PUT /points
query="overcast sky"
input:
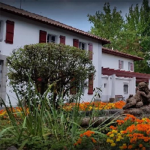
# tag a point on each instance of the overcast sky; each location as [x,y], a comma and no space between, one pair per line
[71,12]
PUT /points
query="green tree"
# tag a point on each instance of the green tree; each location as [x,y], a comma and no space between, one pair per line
[129,35]
[138,20]
[107,24]
[47,64]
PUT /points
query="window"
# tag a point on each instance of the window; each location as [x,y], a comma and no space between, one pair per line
[82,45]
[125,88]
[105,85]
[120,64]
[130,66]
[51,38]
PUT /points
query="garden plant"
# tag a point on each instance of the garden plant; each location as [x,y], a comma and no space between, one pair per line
[68,67]
[45,127]
[38,124]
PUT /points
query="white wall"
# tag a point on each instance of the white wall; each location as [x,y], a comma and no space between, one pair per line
[117,88]
[112,61]
[27,32]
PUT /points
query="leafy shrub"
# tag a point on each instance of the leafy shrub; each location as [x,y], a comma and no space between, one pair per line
[64,66]
[45,127]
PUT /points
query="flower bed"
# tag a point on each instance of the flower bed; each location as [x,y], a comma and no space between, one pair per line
[17,112]
[87,106]
[131,133]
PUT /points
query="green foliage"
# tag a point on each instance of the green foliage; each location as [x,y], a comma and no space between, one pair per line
[45,127]
[138,21]
[49,63]
[107,24]
[130,35]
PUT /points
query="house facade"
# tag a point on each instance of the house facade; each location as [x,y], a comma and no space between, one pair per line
[19,27]
[118,77]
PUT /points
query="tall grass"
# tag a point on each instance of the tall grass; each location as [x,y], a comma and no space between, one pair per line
[41,126]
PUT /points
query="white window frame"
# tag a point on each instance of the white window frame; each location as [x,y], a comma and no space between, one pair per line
[1,30]
[122,65]
[52,35]
[129,66]
[125,91]
[80,42]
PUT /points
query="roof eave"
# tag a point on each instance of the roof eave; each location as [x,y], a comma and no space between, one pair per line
[116,53]
[66,27]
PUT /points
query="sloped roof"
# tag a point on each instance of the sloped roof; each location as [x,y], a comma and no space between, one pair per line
[121,54]
[40,18]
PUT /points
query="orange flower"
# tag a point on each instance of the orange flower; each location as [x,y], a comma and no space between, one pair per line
[131,128]
[140,145]
[78,142]
[146,139]
[120,122]
[2,112]
[87,133]
[94,105]
[125,147]
[130,147]
[113,128]
[130,117]
[93,140]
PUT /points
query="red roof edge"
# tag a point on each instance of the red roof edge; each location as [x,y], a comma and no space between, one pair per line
[122,73]
[121,54]
[40,18]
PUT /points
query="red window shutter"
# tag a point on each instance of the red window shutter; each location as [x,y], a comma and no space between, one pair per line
[42,36]
[90,86]
[9,32]
[62,39]
[76,43]
[73,89]
[90,51]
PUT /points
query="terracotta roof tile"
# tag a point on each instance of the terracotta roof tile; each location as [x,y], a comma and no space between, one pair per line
[37,17]
[121,54]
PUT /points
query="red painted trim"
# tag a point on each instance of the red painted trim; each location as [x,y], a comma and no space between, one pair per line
[90,85]
[42,36]
[121,73]
[62,39]
[90,51]
[9,31]
[76,43]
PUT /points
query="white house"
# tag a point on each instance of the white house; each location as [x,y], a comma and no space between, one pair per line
[19,27]
[118,77]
